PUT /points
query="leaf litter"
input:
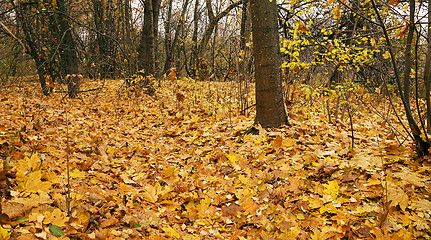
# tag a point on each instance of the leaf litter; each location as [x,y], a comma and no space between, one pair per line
[181,165]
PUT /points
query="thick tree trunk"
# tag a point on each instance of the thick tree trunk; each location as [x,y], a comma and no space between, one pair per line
[270,111]
[68,54]
[147,46]
[146,49]
[99,16]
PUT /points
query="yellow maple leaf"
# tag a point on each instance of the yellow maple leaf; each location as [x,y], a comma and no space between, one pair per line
[172,233]
[152,193]
[32,183]
[56,217]
[277,142]
[34,199]
[365,209]
[28,164]
[4,234]
[110,151]
[169,172]
[332,188]
[290,234]
[288,142]
[75,173]
[232,157]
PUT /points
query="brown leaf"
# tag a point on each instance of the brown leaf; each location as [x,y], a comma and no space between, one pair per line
[180,97]
[108,222]
[398,197]
[231,210]
[14,210]
[277,142]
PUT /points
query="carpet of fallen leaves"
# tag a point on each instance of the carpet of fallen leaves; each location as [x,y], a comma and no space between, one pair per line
[182,164]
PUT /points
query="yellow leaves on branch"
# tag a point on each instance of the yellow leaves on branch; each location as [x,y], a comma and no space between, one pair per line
[337,12]
[386,55]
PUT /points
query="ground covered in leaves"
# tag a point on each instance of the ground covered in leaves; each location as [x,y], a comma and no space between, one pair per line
[183,164]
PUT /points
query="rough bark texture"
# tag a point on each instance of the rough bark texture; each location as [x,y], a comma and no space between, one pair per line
[147,46]
[270,110]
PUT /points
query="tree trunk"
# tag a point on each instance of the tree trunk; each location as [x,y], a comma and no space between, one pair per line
[270,111]
[31,48]
[99,17]
[68,54]
[147,46]
[243,55]
[194,57]
[146,50]
[156,11]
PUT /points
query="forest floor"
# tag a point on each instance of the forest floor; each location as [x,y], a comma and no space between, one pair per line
[183,164]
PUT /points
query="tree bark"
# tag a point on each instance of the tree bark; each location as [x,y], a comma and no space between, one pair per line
[31,47]
[68,55]
[194,57]
[270,111]
[147,46]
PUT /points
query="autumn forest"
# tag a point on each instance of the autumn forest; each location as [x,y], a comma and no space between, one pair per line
[215,119]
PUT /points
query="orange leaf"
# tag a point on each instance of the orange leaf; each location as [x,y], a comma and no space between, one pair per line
[108,222]
[173,75]
[277,142]
[301,26]
[404,29]
[394,2]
